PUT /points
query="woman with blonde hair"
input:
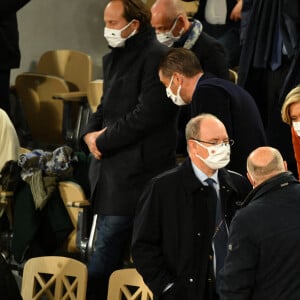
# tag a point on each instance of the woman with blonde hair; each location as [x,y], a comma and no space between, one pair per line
[290,113]
[10,146]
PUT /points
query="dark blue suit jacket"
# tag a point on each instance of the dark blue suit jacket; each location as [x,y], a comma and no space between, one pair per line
[236,108]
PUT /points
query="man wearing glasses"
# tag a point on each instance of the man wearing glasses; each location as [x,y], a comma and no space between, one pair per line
[181,227]
[186,83]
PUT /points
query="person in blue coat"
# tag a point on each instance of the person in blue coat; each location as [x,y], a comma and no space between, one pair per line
[180,71]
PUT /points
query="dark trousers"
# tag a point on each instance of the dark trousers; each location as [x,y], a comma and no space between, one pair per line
[113,236]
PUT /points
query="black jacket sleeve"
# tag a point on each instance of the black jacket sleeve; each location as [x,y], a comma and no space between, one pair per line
[11,6]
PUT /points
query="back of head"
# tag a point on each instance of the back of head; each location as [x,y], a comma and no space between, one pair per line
[264,163]
[180,60]
[136,10]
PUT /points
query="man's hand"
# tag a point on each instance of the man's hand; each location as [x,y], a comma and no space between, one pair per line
[90,140]
[236,13]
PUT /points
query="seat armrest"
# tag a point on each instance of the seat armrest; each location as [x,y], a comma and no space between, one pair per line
[71,96]
[83,203]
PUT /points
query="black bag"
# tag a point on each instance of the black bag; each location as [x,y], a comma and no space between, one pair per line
[9,289]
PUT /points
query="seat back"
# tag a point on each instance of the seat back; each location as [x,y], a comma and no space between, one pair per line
[54,277]
[43,114]
[75,67]
[128,284]
[76,203]
[94,93]
[233,76]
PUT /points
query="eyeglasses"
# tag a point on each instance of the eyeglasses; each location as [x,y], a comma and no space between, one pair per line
[223,143]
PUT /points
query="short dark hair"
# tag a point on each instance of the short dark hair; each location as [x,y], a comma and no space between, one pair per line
[138,10]
[180,60]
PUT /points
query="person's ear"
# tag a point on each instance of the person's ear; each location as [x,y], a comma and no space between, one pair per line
[179,28]
[177,78]
[135,24]
[192,148]
[250,178]
[285,165]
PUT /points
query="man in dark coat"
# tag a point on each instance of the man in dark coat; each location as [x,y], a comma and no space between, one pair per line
[175,30]
[132,135]
[174,230]
[263,259]
[9,46]
[181,72]
[269,64]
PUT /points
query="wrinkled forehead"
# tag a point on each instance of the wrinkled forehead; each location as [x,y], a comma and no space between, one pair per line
[212,129]
[114,11]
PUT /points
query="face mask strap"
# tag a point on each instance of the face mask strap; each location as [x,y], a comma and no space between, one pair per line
[169,86]
[174,25]
[126,26]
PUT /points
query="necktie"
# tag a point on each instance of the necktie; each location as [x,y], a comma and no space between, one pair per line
[220,238]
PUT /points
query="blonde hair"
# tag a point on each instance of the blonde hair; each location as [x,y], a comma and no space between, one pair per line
[292,97]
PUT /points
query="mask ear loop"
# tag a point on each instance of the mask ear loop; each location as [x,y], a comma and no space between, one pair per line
[169,86]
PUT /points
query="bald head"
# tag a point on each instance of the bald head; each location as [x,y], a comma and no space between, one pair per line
[165,12]
[168,8]
[264,163]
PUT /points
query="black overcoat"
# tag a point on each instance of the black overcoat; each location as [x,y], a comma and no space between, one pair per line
[9,35]
[173,230]
[140,138]
[210,52]
[264,242]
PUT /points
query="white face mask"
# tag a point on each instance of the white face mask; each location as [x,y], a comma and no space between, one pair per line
[167,38]
[296,126]
[218,156]
[175,98]
[114,38]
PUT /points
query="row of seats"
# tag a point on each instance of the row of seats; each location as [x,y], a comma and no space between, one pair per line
[59,96]
[65,278]
[56,96]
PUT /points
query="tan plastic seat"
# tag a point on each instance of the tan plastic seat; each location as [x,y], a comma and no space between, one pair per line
[53,278]
[43,115]
[75,202]
[94,93]
[128,284]
[75,67]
